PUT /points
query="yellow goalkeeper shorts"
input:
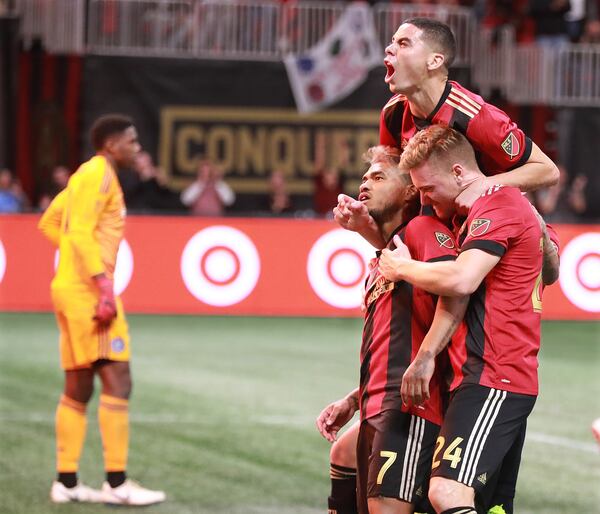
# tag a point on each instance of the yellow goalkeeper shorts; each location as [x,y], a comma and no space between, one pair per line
[82,341]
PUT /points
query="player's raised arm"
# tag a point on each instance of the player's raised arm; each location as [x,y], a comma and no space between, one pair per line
[50,221]
[353,215]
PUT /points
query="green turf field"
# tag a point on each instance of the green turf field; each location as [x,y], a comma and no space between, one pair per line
[223,415]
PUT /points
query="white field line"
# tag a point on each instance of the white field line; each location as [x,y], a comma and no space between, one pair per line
[535,437]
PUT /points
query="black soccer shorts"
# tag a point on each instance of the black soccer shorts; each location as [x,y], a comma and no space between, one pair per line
[480,426]
[394,453]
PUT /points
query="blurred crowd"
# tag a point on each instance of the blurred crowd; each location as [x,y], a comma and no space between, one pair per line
[146,192]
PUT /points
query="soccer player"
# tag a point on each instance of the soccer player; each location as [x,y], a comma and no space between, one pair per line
[417,62]
[395,442]
[86,222]
[495,385]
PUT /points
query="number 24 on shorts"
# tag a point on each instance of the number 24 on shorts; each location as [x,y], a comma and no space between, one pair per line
[452,453]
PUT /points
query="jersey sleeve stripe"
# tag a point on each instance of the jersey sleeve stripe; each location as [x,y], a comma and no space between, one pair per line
[105,182]
[486,245]
[393,100]
[466,98]
[441,258]
[460,108]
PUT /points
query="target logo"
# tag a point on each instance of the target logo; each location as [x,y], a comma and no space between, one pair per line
[220,266]
[123,268]
[2,261]
[580,271]
[337,268]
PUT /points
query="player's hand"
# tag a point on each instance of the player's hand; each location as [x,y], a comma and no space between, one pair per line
[335,416]
[352,214]
[415,382]
[391,260]
[465,200]
[106,310]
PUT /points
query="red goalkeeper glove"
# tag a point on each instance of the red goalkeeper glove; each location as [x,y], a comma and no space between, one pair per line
[106,310]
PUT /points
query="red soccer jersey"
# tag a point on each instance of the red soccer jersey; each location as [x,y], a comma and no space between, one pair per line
[397,319]
[502,339]
[498,142]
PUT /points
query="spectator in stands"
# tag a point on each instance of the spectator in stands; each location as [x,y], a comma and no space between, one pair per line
[328,185]
[591,32]
[144,187]
[278,201]
[550,22]
[209,194]
[12,197]
[60,178]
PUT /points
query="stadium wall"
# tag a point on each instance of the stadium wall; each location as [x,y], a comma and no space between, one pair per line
[254,266]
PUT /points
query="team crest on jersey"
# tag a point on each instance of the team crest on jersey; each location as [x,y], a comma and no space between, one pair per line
[479,227]
[511,145]
[117,345]
[444,239]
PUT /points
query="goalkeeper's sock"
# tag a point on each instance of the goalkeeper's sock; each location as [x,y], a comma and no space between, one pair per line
[113,417]
[498,509]
[343,490]
[70,423]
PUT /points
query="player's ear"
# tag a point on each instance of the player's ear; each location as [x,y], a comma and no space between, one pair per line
[410,191]
[435,61]
[457,171]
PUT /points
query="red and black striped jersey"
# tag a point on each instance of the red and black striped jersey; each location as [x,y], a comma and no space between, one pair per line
[502,338]
[500,145]
[397,318]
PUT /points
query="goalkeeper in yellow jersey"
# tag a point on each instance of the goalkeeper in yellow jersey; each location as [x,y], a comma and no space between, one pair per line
[86,222]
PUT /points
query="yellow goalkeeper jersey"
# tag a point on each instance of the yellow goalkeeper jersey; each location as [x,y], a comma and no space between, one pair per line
[91,211]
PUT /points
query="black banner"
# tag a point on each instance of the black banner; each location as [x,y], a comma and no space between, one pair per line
[240,115]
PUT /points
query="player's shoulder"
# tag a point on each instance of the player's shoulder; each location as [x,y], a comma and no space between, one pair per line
[501,202]
[500,195]
[95,170]
[422,227]
[465,100]
[394,102]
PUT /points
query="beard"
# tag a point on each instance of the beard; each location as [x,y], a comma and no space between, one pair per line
[385,213]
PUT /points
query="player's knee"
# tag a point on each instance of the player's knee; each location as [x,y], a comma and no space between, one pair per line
[342,454]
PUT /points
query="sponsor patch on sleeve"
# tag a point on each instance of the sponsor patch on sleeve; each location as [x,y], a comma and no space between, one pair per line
[479,227]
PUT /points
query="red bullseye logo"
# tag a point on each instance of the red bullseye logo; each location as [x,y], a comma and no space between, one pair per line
[220,266]
[346,268]
[2,261]
[337,268]
[580,271]
[123,267]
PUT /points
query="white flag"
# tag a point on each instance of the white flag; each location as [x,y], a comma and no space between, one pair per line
[338,64]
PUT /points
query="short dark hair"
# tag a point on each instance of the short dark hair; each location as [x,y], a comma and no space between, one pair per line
[438,35]
[106,126]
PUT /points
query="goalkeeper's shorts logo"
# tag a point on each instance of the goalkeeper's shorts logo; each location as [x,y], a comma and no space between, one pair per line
[117,345]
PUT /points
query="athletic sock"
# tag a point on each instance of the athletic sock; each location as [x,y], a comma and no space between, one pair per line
[70,424]
[460,510]
[69,480]
[113,417]
[343,490]
[115,478]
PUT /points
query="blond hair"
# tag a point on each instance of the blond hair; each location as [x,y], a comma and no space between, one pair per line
[437,142]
